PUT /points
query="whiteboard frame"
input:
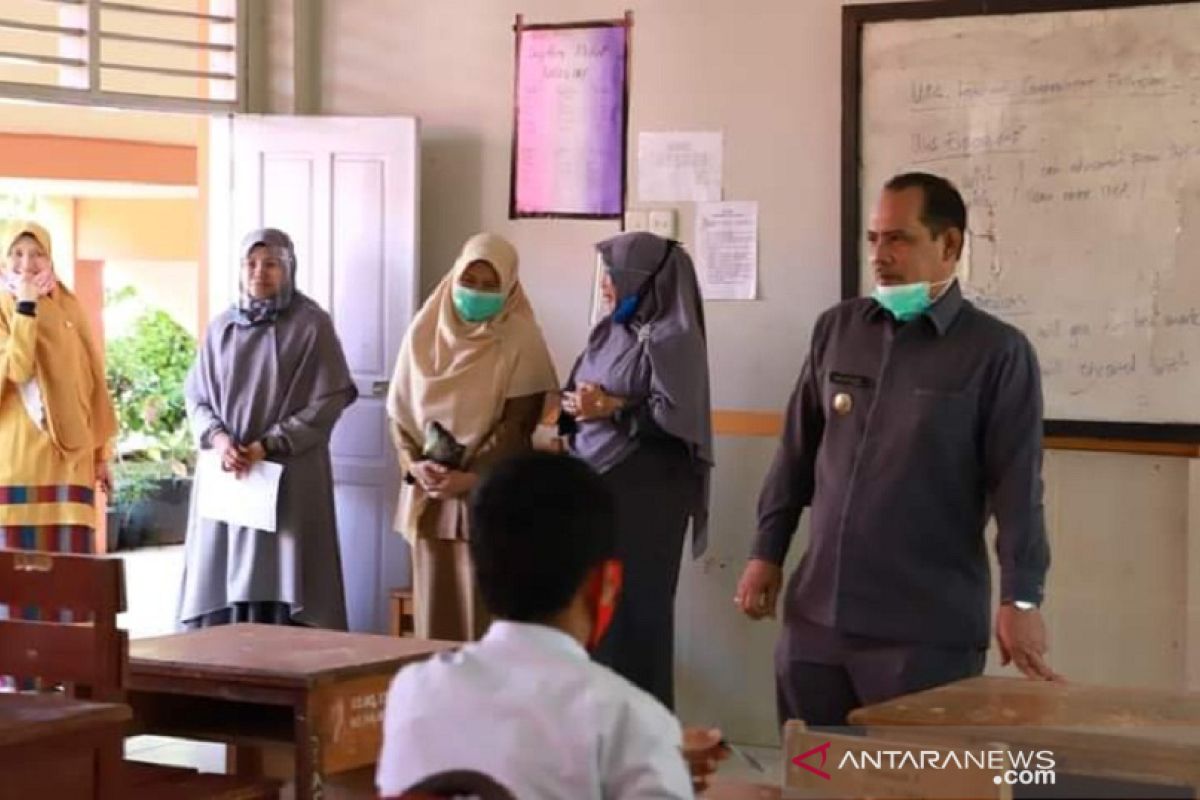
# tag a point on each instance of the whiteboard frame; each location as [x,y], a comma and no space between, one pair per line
[854,20]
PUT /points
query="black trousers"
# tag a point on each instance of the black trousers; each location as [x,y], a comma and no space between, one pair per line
[654,494]
[264,612]
[822,675]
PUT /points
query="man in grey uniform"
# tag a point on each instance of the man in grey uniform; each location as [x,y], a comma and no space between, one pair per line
[916,417]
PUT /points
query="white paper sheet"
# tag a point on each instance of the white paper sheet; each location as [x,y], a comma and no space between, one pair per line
[250,502]
[679,167]
[727,250]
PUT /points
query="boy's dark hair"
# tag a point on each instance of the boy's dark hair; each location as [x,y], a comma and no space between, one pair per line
[539,522]
[943,207]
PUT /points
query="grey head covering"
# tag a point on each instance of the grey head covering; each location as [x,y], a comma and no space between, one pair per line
[659,356]
[252,311]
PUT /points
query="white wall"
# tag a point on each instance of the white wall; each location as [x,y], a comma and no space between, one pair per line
[768,75]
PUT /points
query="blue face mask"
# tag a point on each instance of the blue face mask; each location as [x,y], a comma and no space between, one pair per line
[908,300]
[476,306]
[625,309]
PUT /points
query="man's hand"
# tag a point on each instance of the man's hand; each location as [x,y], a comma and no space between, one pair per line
[702,750]
[758,589]
[1022,639]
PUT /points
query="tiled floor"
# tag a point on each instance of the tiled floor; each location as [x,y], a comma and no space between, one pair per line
[152,580]
[204,756]
[153,576]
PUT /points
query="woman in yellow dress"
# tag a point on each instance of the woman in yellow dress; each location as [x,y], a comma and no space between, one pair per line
[56,418]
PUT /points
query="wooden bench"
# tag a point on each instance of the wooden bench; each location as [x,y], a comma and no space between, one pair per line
[89,659]
[56,746]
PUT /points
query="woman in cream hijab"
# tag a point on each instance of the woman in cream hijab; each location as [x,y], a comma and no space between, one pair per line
[474,362]
[56,418]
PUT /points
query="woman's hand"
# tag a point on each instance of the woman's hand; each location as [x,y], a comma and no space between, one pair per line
[104,477]
[45,282]
[453,483]
[232,459]
[253,452]
[247,456]
[591,402]
[428,474]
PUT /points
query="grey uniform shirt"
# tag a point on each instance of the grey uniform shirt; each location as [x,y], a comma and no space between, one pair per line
[939,426]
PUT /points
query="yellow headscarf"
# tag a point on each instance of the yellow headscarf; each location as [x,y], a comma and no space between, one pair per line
[70,370]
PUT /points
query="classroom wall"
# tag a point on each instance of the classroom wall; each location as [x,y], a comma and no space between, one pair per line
[151,244]
[142,229]
[101,123]
[767,74]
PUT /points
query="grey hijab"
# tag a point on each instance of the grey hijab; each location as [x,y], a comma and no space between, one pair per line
[251,311]
[659,355]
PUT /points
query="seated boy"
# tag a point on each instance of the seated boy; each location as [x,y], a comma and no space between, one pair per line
[526,706]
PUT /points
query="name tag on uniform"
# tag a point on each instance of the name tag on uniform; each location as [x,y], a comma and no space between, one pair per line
[846,379]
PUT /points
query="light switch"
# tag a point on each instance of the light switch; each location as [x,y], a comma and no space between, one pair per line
[635,220]
[662,222]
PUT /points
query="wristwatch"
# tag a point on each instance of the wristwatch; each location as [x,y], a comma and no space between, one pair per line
[1024,605]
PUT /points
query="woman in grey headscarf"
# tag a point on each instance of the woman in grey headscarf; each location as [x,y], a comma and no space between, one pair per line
[637,409]
[270,382]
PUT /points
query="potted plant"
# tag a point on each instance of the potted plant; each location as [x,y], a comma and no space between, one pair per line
[145,368]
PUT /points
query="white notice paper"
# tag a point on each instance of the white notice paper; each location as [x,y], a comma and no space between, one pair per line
[250,502]
[727,250]
[679,167]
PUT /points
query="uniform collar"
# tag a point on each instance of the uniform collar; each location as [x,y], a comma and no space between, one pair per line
[542,637]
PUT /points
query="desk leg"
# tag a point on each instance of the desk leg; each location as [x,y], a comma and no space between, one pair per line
[243,760]
[310,780]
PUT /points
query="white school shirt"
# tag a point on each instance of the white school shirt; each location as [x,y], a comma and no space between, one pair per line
[527,707]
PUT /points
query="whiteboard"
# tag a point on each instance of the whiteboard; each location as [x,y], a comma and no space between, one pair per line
[1074,137]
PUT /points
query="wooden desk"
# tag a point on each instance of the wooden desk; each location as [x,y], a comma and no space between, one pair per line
[1104,732]
[724,789]
[263,685]
[53,746]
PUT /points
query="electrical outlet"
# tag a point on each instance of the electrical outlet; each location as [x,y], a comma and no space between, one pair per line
[635,220]
[662,222]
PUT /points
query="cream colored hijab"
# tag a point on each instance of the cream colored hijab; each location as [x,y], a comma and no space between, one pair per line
[460,373]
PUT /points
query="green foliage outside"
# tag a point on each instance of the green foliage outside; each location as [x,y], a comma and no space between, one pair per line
[145,368]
